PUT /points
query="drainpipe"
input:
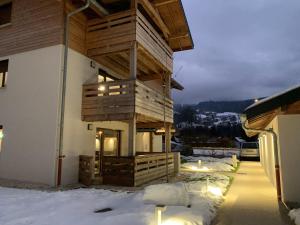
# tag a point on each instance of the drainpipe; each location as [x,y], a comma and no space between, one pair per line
[276,157]
[64,79]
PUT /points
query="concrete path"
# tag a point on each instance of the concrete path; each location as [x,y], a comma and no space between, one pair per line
[251,200]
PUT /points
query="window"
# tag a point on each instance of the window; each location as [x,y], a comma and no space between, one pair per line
[5,12]
[3,72]
[1,136]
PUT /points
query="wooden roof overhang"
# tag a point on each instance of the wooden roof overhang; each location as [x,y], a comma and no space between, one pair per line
[176,85]
[260,114]
[173,15]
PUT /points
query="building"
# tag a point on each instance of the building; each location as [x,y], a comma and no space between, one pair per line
[277,122]
[84,87]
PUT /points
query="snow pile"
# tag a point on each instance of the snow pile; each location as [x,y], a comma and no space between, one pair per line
[295,216]
[226,160]
[205,167]
[153,194]
[208,164]
[202,192]
[216,152]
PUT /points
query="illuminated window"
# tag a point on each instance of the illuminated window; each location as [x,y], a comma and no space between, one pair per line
[3,72]
[1,136]
[5,12]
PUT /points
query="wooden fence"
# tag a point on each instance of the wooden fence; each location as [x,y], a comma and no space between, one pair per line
[128,171]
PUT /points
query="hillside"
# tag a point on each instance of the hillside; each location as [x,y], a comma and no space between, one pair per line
[223,106]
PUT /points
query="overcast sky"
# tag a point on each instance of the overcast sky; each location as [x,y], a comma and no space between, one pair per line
[243,49]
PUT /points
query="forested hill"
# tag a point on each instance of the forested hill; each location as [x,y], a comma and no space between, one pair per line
[222,106]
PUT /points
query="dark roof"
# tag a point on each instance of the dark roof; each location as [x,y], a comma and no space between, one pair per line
[273,102]
[176,85]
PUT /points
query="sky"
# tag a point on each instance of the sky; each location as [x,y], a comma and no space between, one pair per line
[243,49]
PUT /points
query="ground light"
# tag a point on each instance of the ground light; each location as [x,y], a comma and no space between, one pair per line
[158,213]
[173,222]
[215,191]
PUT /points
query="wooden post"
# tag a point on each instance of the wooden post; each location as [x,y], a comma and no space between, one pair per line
[133,60]
[151,141]
[132,123]
[168,137]
[132,137]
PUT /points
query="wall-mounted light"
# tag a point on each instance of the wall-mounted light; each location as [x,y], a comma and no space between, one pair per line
[1,134]
[90,126]
[102,88]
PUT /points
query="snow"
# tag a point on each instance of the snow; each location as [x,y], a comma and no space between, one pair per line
[295,216]
[153,194]
[208,164]
[216,152]
[203,192]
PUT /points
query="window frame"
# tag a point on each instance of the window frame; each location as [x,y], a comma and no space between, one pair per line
[3,81]
[7,2]
[1,139]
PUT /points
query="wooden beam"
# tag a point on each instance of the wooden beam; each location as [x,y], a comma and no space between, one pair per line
[133,61]
[157,125]
[132,137]
[156,17]
[159,3]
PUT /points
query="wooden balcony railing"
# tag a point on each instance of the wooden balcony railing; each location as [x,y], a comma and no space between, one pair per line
[121,100]
[135,171]
[117,32]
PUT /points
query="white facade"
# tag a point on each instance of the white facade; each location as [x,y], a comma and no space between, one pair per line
[287,129]
[30,115]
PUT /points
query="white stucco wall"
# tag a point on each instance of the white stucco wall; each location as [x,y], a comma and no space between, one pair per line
[29,114]
[78,139]
[289,150]
[287,128]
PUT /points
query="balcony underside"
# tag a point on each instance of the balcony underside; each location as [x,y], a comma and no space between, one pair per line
[109,41]
[122,100]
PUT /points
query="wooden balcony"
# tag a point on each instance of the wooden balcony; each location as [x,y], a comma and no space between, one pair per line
[121,100]
[109,41]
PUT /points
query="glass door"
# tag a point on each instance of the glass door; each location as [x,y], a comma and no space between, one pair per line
[107,144]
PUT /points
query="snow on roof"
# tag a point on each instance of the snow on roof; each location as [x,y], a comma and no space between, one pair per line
[272,97]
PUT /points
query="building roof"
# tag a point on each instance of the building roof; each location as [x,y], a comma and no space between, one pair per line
[176,85]
[261,113]
[172,13]
[273,102]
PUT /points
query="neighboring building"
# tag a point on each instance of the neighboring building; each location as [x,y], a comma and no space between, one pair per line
[277,121]
[104,102]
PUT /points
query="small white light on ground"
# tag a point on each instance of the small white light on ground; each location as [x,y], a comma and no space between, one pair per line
[199,163]
[173,222]
[215,191]
[158,213]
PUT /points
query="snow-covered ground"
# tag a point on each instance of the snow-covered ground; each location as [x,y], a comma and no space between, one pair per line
[208,164]
[295,216]
[201,192]
[216,152]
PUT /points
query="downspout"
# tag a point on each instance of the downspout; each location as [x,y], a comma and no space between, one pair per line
[64,79]
[276,157]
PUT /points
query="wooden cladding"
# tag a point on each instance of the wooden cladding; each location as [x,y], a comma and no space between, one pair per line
[138,170]
[121,100]
[34,24]
[118,32]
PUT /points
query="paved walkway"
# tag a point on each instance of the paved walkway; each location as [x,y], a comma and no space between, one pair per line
[251,200]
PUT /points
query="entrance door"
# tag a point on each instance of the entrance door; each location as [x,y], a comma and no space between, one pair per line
[107,144]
